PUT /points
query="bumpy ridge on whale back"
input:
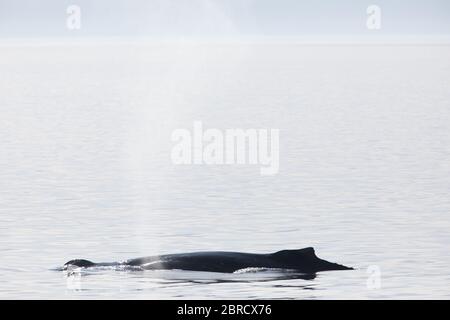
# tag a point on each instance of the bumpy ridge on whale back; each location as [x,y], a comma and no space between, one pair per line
[80,263]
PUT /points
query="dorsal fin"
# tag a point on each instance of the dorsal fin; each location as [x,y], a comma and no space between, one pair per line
[305,253]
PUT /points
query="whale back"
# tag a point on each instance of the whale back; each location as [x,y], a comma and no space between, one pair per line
[303,260]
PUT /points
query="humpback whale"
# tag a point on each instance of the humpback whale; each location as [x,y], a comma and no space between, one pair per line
[301,260]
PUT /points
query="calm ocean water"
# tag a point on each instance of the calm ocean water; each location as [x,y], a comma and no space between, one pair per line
[85,167]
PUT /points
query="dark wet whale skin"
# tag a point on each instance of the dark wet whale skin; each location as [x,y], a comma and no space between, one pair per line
[301,260]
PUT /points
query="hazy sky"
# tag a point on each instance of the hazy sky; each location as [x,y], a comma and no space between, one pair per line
[215,18]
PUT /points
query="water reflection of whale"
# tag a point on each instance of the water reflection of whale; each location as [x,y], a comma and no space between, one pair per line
[242,276]
[302,261]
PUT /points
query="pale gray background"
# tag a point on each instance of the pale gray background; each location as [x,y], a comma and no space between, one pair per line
[85,127]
